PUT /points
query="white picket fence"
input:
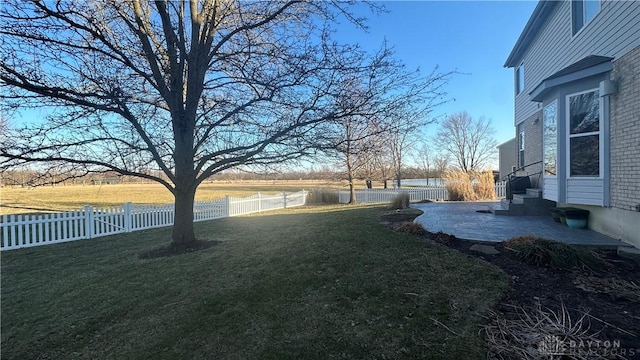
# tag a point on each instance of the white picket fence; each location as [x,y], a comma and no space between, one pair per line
[436,192]
[20,231]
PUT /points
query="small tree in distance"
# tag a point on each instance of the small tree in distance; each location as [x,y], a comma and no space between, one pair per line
[469,142]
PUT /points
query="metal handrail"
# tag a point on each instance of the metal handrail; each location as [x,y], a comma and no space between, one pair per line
[509,176]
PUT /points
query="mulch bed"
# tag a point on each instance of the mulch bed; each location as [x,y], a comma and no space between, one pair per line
[613,306]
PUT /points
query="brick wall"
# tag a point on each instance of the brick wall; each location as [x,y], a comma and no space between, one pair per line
[532,146]
[625,132]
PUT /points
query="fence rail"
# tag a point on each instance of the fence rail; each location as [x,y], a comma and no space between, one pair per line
[435,192]
[20,231]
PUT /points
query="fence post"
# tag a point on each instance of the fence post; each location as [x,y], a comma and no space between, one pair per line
[304,197]
[89,226]
[227,206]
[127,217]
[284,199]
[259,202]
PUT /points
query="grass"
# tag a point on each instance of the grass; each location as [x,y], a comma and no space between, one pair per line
[15,200]
[305,283]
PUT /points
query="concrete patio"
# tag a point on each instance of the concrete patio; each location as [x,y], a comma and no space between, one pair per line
[462,220]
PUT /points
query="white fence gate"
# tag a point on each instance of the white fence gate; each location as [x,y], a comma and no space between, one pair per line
[20,231]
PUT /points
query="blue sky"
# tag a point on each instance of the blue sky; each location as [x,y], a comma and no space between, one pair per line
[472,37]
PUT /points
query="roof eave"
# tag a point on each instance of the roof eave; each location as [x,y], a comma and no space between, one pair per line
[535,23]
[546,86]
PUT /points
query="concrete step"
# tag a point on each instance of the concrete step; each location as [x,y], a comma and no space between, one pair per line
[534,192]
[525,199]
[523,205]
[498,210]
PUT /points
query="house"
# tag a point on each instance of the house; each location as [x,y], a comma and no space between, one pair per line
[507,155]
[577,109]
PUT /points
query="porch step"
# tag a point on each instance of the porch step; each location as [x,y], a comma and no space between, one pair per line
[535,192]
[528,204]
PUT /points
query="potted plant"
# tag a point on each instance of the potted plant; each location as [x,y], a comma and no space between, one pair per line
[576,218]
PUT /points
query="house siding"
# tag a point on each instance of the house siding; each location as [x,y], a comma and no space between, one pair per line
[508,157]
[585,191]
[625,133]
[555,47]
[550,188]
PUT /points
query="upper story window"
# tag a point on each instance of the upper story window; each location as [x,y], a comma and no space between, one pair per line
[520,79]
[582,12]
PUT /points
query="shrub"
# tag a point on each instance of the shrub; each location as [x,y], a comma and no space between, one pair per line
[323,196]
[401,201]
[514,242]
[459,186]
[543,252]
[412,228]
[531,333]
[485,187]
[470,186]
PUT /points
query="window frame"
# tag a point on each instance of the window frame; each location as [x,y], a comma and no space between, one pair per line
[521,148]
[520,79]
[544,139]
[570,136]
[579,13]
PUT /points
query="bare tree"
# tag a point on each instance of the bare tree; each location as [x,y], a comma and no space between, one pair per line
[186,88]
[400,141]
[441,163]
[424,160]
[387,104]
[469,142]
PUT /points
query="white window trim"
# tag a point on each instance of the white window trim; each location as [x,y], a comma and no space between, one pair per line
[521,149]
[599,132]
[543,140]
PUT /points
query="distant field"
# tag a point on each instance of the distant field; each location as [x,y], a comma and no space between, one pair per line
[17,200]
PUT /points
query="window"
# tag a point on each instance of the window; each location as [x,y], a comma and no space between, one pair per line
[582,12]
[584,134]
[521,163]
[550,139]
[520,79]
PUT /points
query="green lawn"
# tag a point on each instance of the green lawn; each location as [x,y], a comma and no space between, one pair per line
[305,283]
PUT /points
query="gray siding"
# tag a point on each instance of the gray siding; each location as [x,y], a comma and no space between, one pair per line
[550,188]
[508,157]
[613,32]
[585,191]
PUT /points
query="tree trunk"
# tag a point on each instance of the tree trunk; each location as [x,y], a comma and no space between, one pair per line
[352,189]
[183,235]
[185,182]
[352,192]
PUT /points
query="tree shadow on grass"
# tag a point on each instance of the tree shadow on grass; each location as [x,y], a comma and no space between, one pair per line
[174,250]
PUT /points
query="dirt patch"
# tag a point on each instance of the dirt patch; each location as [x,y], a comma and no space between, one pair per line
[172,250]
[611,298]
